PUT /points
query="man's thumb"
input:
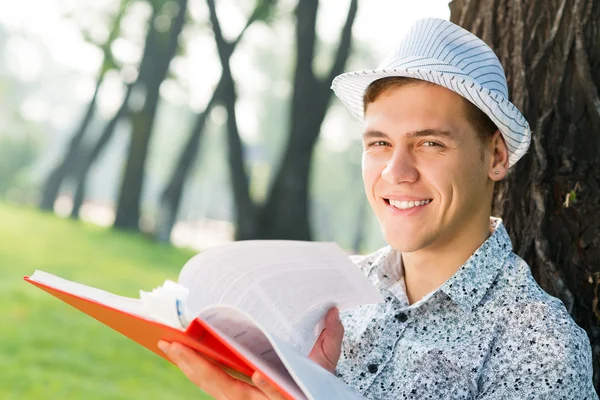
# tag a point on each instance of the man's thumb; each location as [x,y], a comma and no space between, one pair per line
[327,349]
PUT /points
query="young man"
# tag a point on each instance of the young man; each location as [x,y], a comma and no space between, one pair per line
[463,317]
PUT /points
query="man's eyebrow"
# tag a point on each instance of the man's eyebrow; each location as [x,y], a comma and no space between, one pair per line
[375,134]
[415,134]
[432,132]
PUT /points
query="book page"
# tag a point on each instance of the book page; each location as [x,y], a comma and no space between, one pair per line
[161,305]
[127,304]
[286,286]
[246,337]
[291,370]
[315,382]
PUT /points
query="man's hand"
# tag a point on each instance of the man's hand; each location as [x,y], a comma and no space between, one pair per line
[214,381]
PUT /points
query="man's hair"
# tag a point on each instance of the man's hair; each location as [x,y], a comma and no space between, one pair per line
[480,122]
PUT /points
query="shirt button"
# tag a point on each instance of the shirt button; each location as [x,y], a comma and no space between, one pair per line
[401,317]
[372,368]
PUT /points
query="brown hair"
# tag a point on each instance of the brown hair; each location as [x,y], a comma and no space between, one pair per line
[481,123]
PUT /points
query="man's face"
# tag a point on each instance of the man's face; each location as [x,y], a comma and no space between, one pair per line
[407,160]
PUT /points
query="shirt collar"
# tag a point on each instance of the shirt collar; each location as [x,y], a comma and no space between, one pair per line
[470,282]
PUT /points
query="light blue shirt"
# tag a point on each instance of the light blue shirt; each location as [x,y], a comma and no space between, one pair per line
[489,332]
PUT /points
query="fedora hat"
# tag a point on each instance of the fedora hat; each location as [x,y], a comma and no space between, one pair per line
[440,52]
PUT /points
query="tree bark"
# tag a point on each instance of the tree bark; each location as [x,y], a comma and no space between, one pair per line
[285,215]
[551,54]
[128,207]
[171,195]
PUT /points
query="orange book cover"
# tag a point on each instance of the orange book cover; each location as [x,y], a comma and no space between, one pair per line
[198,336]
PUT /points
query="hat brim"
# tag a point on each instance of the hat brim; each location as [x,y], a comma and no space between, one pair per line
[350,88]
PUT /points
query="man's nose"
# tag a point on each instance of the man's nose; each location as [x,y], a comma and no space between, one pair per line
[400,168]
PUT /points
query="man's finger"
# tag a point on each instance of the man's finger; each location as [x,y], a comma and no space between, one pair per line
[198,369]
[206,375]
[269,390]
[327,349]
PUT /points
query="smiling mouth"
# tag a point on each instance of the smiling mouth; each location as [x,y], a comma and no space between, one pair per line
[407,205]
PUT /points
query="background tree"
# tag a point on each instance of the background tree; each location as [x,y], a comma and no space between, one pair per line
[67,164]
[549,200]
[91,155]
[172,193]
[285,214]
[161,47]
[245,210]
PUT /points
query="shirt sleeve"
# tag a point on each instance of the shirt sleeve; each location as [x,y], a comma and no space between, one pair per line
[542,354]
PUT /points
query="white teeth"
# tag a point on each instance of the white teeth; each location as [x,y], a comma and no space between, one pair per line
[404,205]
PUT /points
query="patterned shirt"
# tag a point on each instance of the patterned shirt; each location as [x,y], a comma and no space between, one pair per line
[489,332]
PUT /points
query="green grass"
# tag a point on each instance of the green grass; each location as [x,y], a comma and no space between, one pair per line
[49,350]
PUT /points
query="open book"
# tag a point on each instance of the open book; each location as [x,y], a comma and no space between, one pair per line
[249,306]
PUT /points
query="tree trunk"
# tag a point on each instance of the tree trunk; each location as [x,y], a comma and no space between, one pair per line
[128,208]
[82,174]
[66,165]
[171,195]
[551,54]
[285,215]
[145,72]
[245,214]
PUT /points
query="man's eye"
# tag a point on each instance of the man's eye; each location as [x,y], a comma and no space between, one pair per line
[379,143]
[432,144]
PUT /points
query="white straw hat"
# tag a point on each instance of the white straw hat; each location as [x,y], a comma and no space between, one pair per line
[440,52]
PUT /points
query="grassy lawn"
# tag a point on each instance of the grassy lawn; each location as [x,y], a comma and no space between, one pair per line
[49,350]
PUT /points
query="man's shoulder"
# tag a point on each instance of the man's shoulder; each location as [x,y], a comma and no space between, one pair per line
[528,309]
[516,287]
[537,340]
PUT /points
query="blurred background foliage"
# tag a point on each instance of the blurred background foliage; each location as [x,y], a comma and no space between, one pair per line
[192,122]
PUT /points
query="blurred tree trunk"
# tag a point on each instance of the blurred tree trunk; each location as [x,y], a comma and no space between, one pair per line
[162,48]
[171,195]
[82,173]
[285,214]
[551,55]
[245,213]
[88,160]
[68,163]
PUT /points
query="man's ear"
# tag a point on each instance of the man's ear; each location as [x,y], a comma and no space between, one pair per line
[498,161]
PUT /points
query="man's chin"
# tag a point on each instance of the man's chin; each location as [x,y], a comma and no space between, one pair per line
[403,244]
